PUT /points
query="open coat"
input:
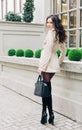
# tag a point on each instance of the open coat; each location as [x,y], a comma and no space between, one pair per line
[49,61]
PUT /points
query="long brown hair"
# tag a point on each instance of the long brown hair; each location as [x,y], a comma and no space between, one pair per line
[60,32]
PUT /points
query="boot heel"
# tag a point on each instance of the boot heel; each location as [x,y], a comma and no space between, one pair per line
[44,118]
[51,119]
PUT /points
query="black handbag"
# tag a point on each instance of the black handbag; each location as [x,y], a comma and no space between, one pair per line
[41,88]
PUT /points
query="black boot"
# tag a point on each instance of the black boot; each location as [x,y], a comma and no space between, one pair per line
[44,118]
[51,119]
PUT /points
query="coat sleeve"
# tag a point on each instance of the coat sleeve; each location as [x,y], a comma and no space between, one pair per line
[63,53]
[46,52]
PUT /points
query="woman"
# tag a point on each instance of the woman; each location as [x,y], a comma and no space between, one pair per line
[49,62]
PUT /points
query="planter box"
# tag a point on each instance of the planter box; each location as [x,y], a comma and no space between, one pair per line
[20,74]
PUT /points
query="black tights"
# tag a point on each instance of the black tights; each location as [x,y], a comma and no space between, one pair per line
[47,101]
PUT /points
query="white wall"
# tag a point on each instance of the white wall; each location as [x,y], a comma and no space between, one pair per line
[39,11]
[20,36]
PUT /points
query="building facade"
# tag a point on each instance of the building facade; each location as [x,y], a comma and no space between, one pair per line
[67,85]
[70,12]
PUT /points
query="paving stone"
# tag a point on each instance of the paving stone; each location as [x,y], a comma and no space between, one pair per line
[20,113]
[78,128]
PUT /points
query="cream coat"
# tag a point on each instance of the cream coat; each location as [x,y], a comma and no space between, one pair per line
[49,61]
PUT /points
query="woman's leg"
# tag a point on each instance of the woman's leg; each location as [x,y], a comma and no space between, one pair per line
[47,77]
[44,113]
[44,104]
[48,100]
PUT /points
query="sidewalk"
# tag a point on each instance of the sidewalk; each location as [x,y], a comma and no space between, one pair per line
[20,113]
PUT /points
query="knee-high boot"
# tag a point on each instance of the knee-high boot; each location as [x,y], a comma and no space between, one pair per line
[51,114]
[49,104]
[44,114]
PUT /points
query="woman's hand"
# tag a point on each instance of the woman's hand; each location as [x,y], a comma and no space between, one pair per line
[39,71]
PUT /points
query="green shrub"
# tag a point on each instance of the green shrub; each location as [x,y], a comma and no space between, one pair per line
[81,53]
[74,55]
[28,10]
[38,53]
[20,53]
[58,52]
[11,52]
[28,53]
[67,51]
[10,16]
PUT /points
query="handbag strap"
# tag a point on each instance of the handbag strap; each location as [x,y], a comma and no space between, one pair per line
[40,78]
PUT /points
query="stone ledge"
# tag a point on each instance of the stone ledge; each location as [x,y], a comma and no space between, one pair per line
[19,60]
[71,66]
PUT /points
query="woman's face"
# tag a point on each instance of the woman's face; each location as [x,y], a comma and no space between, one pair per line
[49,24]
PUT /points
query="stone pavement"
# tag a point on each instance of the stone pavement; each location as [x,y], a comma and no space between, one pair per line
[20,113]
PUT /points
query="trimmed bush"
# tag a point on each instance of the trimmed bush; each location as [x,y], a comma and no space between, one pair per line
[11,52]
[74,55]
[10,16]
[20,53]
[28,10]
[28,53]
[81,53]
[58,52]
[67,51]
[38,53]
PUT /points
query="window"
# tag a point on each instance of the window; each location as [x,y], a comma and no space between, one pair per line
[64,5]
[64,20]
[81,18]
[70,12]
[72,39]
[58,6]
[72,4]
[72,19]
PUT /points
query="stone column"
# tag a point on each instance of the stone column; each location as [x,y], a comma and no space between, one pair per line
[1,9]
[6,4]
[14,6]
